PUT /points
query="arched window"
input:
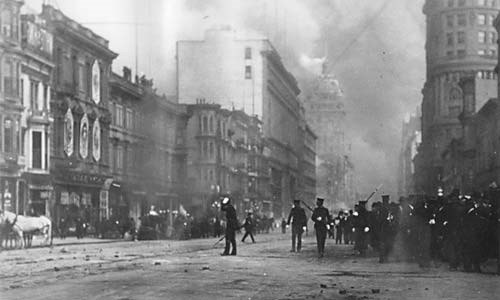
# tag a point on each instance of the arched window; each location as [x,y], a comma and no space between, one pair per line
[211,124]
[205,123]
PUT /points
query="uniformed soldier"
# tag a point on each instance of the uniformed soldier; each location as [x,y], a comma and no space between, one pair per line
[298,220]
[321,218]
[361,227]
[231,226]
[384,222]
[452,212]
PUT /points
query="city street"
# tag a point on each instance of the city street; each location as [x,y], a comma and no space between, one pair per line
[193,269]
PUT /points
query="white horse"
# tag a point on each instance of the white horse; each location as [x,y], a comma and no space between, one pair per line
[22,224]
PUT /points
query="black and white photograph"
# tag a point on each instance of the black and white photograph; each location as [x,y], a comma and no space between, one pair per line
[249,149]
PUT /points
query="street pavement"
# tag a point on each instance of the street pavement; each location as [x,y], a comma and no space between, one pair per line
[194,269]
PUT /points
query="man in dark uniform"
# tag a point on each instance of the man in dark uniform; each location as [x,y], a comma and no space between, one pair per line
[384,222]
[348,234]
[249,227]
[231,226]
[321,218]
[299,220]
[362,228]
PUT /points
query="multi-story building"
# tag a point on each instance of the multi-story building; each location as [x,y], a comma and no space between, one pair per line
[225,156]
[410,140]
[461,43]
[127,138]
[35,85]
[248,74]
[307,164]
[207,170]
[326,114]
[250,165]
[12,160]
[79,158]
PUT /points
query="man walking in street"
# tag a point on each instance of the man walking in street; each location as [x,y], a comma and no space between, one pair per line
[321,218]
[249,227]
[299,220]
[231,226]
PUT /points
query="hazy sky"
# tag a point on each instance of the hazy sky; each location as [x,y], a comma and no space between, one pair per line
[375,49]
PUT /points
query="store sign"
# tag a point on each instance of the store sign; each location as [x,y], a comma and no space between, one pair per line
[96,140]
[82,178]
[68,133]
[84,136]
[96,82]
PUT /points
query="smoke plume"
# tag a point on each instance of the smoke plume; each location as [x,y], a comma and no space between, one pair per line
[375,48]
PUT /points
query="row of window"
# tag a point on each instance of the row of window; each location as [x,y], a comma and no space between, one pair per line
[483,37]
[13,143]
[487,52]
[125,117]
[75,70]
[208,176]
[38,94]
[481,19]
[207,126]
[487,3]
[461,53]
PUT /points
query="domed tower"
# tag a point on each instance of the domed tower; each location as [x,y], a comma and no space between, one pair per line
[326,114]
[460,45]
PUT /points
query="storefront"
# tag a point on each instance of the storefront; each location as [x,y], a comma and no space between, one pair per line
[81,195]
[39,196]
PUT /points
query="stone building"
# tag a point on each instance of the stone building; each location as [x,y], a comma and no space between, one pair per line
[12,157]
[461,42]
[225,157]
[79,158]
[326,114]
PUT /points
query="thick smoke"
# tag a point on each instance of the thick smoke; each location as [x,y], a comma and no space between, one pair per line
[375,48]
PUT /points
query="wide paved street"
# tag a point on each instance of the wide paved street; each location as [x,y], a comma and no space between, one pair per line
[194,270]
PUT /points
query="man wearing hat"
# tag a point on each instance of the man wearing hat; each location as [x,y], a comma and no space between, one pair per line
[362,228]
[231,225]
[249,227]
[299,221]
[321,218]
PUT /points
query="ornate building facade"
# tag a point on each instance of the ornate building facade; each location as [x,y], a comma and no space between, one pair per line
[326,114]
[79,156]
[460,44]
